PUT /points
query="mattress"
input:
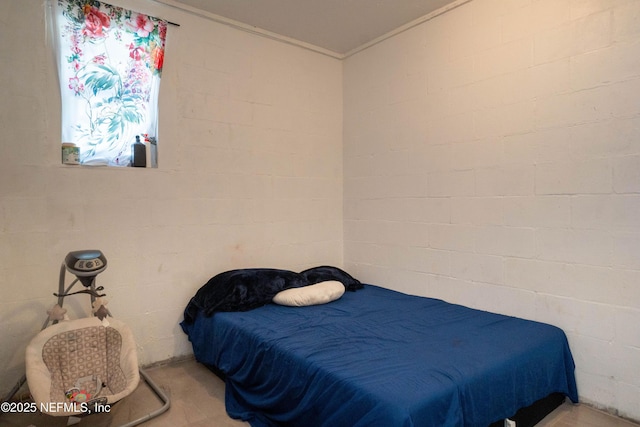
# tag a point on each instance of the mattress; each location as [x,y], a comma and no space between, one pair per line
[377,357]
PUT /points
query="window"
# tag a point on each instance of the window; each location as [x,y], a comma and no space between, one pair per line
[109,65]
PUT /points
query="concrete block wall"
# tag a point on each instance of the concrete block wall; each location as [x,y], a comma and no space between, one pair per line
[492,158]
[250,175]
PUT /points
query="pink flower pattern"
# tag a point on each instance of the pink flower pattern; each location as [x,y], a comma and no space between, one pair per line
[95,22]
[142,25]
[108,85]
[75,85]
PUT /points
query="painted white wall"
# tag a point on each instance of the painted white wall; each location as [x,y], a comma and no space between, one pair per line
[250,152]
[492,159]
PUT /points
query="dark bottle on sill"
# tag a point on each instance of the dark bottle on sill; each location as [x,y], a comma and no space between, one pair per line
[138,154]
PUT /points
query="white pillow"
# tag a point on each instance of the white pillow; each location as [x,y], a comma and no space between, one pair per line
[320,293]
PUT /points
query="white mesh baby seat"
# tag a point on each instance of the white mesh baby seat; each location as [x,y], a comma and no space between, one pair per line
[87,354]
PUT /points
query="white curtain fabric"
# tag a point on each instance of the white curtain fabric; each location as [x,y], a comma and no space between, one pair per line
[109,66]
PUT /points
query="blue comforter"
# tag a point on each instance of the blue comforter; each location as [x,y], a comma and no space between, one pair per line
[381,358]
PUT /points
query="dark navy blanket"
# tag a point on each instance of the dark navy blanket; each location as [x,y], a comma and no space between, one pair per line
[248,288]
[381,358]
[240,290]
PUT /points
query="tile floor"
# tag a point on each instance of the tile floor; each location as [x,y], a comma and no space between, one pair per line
[197,400]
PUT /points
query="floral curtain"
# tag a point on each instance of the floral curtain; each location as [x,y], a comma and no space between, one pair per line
[109,62]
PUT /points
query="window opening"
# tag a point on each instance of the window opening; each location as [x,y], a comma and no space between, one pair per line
[109,65]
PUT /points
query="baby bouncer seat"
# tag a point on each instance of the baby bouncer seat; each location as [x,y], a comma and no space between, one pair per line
[81,363]
[82,366]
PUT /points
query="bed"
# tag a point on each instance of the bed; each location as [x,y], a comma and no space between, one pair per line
[377,357]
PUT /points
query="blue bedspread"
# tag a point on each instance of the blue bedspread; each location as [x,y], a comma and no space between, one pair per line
[381,358]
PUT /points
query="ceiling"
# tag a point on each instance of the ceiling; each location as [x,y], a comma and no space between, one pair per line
[339,26]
